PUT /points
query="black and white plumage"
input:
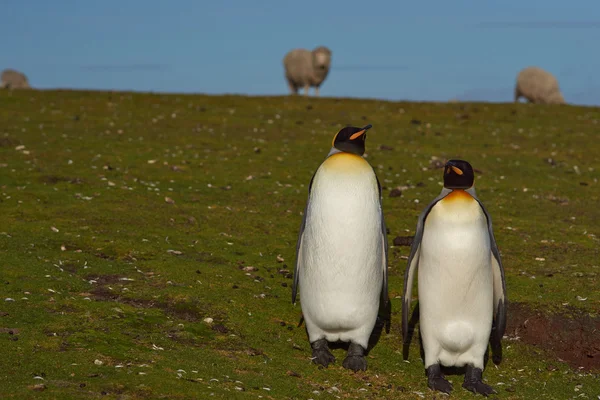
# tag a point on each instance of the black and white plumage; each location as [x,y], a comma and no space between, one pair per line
[462,289]
[341,253]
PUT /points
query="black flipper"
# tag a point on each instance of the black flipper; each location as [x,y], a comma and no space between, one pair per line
[384,304]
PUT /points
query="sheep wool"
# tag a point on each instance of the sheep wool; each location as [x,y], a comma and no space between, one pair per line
[538,86]
[12,79]
[305,68]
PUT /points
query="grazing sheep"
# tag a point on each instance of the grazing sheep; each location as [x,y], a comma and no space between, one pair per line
[538,86]
[12,79]
[305,68]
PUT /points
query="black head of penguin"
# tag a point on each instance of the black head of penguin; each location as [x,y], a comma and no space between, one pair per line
[351,139]
[458,174]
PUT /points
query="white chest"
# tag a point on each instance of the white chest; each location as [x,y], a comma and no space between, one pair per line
[455,237]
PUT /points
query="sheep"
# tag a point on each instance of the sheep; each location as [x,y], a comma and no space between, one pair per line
[305,68]
[538,86]
[12,79]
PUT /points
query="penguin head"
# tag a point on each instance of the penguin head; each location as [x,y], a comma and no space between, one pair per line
[458,174]
[351,140]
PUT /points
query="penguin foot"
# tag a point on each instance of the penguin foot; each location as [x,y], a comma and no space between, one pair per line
[474,383]
[436,380]
[355,358]
[320,353]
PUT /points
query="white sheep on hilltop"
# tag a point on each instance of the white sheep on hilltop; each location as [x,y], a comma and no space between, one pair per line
[305,68]
[538,86]
[11,79]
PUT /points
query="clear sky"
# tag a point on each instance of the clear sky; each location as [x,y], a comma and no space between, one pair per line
[397,50]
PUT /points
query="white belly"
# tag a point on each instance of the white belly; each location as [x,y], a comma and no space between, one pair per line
[455,283]
[341,273]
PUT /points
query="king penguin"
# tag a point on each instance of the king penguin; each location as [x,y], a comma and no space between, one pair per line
[462,291]
[342,252]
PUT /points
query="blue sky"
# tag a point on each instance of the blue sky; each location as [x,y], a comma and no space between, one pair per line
[421,51]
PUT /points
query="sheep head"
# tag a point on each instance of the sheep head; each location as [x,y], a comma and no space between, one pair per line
[321,58]
[556,98]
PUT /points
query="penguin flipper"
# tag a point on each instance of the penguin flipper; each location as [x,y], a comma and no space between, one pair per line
[298,258]
[384,265]
[500,299]
[385,307]
[299,244]
[384,287]
[409,275]
[412,265]
[499,323]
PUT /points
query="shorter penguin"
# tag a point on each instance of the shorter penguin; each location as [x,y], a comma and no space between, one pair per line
[462,291]
[342,251]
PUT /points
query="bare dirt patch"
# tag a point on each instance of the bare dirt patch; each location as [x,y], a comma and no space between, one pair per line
[191,311]
[403,241]
[54,179]
[10,331]
[8,142]
[572,336]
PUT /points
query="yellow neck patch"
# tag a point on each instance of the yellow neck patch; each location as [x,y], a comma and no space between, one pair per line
[458,195]
[346,162]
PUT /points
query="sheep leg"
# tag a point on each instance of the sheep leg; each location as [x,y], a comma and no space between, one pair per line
[293,87]
[517,95]
[317,91]
[306,88]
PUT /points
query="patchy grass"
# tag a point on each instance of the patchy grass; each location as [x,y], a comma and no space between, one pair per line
[140,236]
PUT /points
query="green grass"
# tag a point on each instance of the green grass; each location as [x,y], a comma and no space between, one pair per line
[176,193]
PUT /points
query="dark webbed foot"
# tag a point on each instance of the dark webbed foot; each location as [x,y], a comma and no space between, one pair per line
[436,380]
[355,358]
[320,353]
[474,383]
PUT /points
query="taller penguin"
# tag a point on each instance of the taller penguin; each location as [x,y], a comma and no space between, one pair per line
[341,254]
[462,292]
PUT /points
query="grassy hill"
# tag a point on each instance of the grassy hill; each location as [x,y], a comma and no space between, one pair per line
[147,242]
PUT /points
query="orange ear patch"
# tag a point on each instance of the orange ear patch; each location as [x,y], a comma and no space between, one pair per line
[457,170]
[357,134]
